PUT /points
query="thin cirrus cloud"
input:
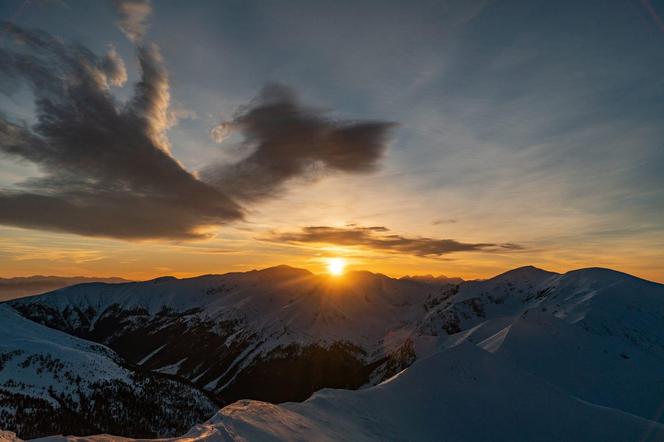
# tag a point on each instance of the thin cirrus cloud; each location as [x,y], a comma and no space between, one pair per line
[379,238]
[106,166]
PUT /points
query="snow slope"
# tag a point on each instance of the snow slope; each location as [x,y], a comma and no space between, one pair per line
[605,370]
[51,382]
[21,339]
[460,394]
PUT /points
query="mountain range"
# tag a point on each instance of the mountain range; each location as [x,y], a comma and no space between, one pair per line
[574,356]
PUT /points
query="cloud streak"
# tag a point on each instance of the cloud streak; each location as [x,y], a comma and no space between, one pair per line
[380,238]
[106,166]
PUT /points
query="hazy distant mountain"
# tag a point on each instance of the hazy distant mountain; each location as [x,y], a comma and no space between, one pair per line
[11,288]
[526,355]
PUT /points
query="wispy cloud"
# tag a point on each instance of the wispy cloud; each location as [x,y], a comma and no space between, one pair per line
[133,16]
[72,255]
[114,67]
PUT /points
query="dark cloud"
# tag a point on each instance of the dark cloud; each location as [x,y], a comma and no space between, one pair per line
[288,140]
[379,238]
[133,15]
[106,167]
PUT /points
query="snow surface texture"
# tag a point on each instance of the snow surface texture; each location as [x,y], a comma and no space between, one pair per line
[527,355]
[47,375]
[40,358]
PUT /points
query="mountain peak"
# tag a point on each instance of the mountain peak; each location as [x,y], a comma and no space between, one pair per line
[600,276]
[284,270]
[526,272]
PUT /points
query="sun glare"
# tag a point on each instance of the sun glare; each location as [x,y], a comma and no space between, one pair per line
[336,266]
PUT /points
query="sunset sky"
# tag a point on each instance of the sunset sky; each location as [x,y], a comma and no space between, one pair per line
[462,138]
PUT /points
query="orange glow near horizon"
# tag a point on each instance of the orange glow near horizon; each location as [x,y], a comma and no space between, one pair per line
[28,253]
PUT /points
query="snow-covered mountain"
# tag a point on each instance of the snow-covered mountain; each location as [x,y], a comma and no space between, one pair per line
[276,334]
[51,382]
[526,355]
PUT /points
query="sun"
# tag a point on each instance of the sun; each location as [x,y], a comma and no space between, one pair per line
[335,266]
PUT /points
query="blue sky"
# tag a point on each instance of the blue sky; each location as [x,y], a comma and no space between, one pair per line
[534,123]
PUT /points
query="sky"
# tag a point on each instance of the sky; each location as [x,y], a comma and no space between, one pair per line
[462,138]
